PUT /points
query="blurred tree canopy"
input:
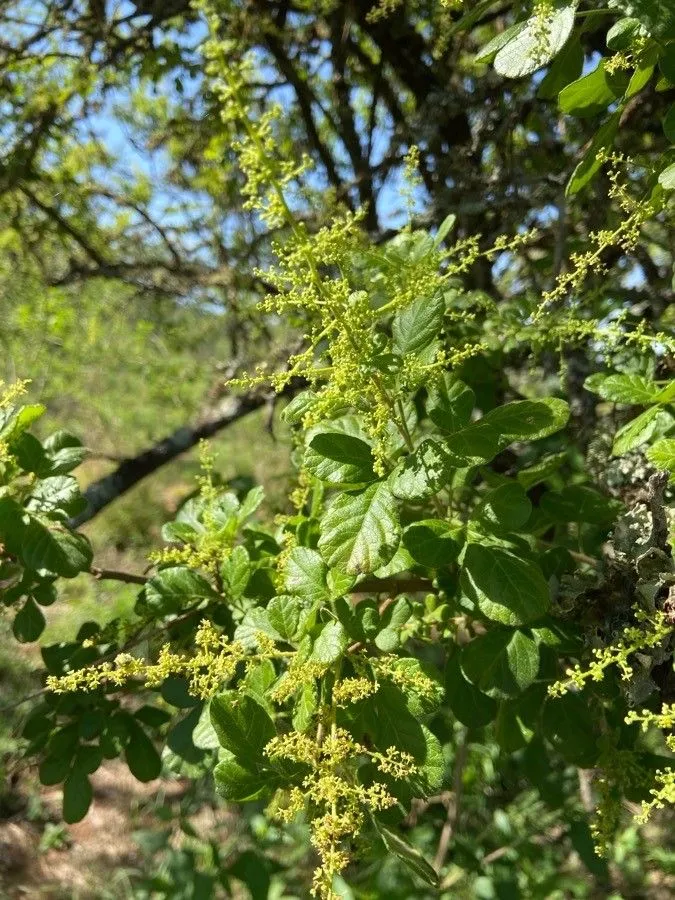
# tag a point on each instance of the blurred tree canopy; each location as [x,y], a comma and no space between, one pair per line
[124,233]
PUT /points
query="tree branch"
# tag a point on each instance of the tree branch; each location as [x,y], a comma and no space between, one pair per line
[129,473]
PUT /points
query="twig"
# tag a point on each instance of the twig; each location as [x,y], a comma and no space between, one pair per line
[452,819]
[114,575]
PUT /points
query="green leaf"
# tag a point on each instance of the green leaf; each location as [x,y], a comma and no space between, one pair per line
[180,741]
[288,616]
[537,44]
[172,589]
[566,67]
[64,452]
[77,797]
[390,723]
[298,408]
[238,784]
[501,663]
[140,754]
[667,63]
[450,403]
[408,855]
[570,726]
[667,178]
[623,388]
[256,620]
[476,444]
[423,472]
[330,644]
[58,492]
[235,572]
[593,158]
[305,707]
[305,574]
[56,549]
[578,503]
[469,705]
[55,768]
[541,471]
[421,705]
[361,532]
[15,425]
[29,623]
[653,421]
[174,691]
[242,725]
[506,588]
[657,16]
[505,508]
[592,94]
[258,680]
[517,719]
[251,502]
[623,34]
[339,460]
[487,53]
[527,419]
[417,325]
[391,622]
[644,69]
[431,543]
[662,454]
[444,229]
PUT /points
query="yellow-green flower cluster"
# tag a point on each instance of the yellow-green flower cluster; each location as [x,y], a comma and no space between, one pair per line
[208,670]
[625,236]
[620,770]
[651,630]
[662,794]
[10,393]
[410,680]
[352,690]
[296,677]
[664,720]
[336,800]
[210,547]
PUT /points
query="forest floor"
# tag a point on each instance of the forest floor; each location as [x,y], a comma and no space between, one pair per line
[51,862]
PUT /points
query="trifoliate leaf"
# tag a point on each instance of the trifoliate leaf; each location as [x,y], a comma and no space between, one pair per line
[360,532]
[450,403]
[55,549]
[623,388]
[505,508]
[501,663]
[506,588]
[423,472]
[652,422]
[172,589]
[305,574]
[339,460]
[330,644]
[416,326]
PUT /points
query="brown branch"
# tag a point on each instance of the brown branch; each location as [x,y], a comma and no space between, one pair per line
[115,575]
[129,473]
